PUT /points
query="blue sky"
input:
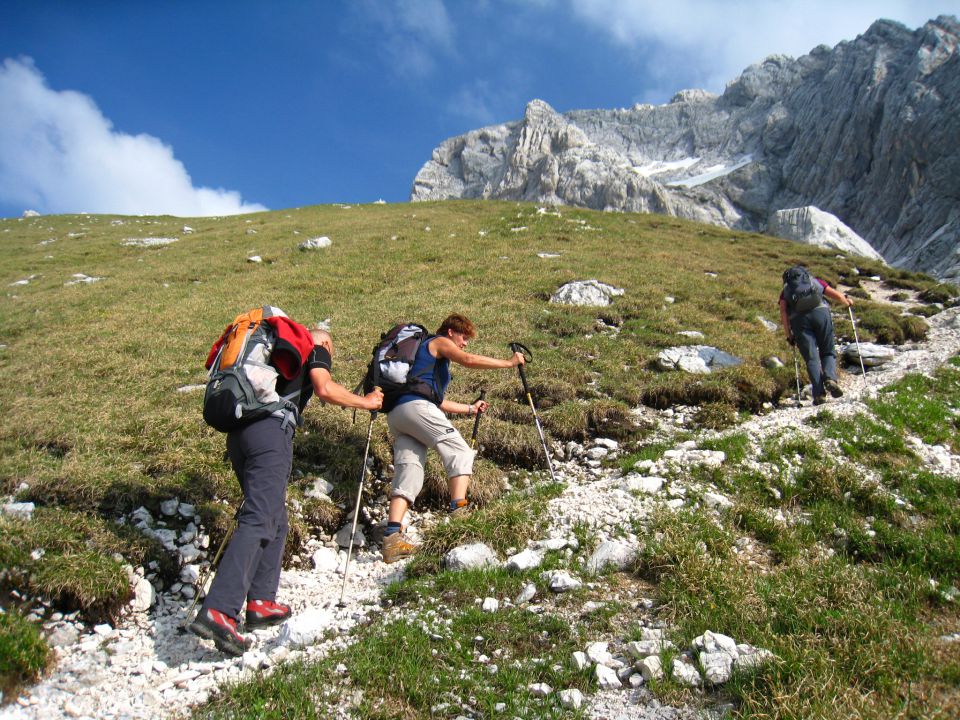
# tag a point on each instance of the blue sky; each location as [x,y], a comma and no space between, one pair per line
[207,108]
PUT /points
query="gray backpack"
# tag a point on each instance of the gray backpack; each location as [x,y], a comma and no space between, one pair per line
[801,291]
[242,384]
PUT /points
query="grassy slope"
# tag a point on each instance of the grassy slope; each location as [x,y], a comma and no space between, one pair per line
[88,375]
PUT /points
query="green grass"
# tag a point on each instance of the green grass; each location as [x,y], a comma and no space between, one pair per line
[95,425]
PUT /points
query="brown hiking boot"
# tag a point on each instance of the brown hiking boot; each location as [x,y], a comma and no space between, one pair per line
[833,387]
[461,512]
[397,547]
[820,400]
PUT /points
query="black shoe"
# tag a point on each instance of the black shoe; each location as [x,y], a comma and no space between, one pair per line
[833,387]
[261,613]
[222,629]
[820,400]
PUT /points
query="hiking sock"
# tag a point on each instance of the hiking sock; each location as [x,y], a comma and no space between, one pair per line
[392,527]
[458,503]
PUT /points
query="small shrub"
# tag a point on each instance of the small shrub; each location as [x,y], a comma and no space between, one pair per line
[612,419]
[925,311]
[914,328]
[566,421]
[715,416]
[24,654]
[941,293]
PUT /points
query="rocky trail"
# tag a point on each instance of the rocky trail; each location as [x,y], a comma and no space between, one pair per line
[147,667]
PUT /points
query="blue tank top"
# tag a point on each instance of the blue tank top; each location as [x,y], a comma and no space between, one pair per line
[433,371]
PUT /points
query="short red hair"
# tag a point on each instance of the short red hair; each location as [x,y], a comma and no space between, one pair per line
[459,324]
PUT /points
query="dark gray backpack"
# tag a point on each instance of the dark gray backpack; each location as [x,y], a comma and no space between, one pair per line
[801,291]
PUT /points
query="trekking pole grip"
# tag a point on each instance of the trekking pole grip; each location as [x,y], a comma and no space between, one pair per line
[518,348]
[476,421]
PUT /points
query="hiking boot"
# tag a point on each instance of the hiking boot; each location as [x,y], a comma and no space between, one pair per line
[833,387]
[461,512]
[261,613]
[222,629]
[820,400]
[396,547]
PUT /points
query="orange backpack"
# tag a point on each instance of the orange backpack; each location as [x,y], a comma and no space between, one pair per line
[242,384]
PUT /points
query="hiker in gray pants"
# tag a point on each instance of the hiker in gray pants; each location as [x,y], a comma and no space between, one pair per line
[262,455]
[811,332]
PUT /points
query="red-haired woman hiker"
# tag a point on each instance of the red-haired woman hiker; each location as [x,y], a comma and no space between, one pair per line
[418,423]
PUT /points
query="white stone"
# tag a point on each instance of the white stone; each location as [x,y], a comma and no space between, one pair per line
[342,537]
[586,293]
[717,501]
[526,560]
[686,674]
[306,628]
[571,699]
[717,667]
[326,560]
[18,510]
[319,489]
[580,660]
[561,581]
[189,574]
[315,243]
[540,690]
[611,554]
[169,507]
[144,596]
[599,653]
[648,485]
[651,668]
[470,557]
[526,595]
[490,605]
[607,678]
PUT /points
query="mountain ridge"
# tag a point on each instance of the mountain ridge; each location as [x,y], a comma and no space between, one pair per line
[861,131]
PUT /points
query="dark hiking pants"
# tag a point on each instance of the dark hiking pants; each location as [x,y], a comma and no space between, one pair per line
[261,454]
[813,331]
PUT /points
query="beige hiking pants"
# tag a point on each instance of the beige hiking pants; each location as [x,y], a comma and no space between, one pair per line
[417,425]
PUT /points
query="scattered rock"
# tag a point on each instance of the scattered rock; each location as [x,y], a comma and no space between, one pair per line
[592,293]
[470,557]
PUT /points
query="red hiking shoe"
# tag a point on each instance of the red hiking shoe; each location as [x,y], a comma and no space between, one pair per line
[261,613]
[222,629]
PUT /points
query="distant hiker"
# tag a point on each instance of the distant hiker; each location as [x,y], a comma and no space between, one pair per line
[806,319]
[417,421]
[261,453]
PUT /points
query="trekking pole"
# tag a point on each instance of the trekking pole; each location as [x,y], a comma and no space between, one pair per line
[356,509]
[205,575]
[518,348]
[856,337]
[796,370]
[476,423]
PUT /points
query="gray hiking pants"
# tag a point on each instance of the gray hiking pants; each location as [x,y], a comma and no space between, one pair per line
[813,331]
[417,425]
[262,455]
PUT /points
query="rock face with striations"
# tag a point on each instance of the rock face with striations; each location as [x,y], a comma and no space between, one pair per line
[866,131]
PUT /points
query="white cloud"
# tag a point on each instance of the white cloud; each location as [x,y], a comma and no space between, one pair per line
[410,34]
[58,153]
[711,43]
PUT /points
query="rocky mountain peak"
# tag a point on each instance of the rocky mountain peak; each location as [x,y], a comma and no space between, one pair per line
[865,132]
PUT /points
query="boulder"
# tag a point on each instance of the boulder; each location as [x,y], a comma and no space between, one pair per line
[470,557]
[591,293]
[697,359]
[812,226]
[611,555]
[873,355]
